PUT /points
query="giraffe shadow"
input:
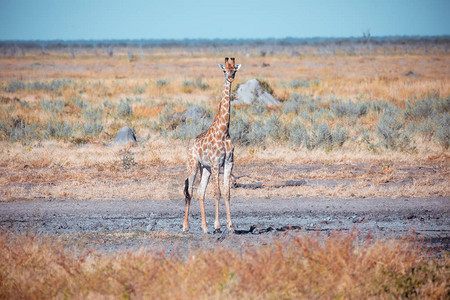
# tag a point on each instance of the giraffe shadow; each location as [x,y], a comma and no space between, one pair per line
[261,230]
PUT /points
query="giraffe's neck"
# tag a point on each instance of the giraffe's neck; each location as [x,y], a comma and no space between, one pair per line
[222,120]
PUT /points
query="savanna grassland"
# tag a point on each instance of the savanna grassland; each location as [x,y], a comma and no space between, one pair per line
[364,119]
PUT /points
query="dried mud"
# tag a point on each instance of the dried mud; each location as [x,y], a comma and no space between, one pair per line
[113,225]
[124,222]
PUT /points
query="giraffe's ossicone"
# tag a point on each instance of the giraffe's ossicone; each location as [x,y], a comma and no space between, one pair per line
[211,151]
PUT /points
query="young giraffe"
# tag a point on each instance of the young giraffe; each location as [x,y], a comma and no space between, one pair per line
[209,152]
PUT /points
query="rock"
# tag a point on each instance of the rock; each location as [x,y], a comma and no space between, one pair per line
[195,112]
[125,136]
[252,91]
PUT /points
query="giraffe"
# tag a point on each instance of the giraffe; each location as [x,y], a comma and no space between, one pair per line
[210,151]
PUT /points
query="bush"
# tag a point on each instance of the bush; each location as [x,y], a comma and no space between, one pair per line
[442,134]
[54,85]
[341,109]
[258,108]
[191,128]
[188,83]
[274,127]
[58,130]
[200,84]
[162,82]
[297,83]
[52,107]
[80,103]
[16,129]
[92,114]
[298,134]
[339,136]
[419,110]
[124,109]
[239,130]
[323,137]
[15,85]
[93,128]
[295,104]
[426,129]
[139,89]
[389,129]
[257,134]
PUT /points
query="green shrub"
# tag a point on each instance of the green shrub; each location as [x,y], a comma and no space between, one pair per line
[258,108]
[442,134]
[92,128]
[162,82]
[339,136]
[274,127]
[323,137]
[257,134]
[298,134]
[239,129]
[297,83]
[390,130]
[124,109]
[58,130]
[200,84]
[52,107]
[343,109]
[92,114]
[15,85]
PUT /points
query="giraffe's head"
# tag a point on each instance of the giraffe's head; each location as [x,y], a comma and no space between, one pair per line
[229,69]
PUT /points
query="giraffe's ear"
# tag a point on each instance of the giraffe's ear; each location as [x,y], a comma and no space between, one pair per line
[222,67]
[237,67]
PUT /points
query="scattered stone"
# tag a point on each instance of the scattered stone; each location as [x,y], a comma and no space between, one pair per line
[412,74]
[358,219]
[125,136]
[252,91]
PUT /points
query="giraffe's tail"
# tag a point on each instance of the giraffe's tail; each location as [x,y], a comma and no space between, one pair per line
[186,191]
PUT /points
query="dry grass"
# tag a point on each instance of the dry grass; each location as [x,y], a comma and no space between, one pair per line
[299,266]
[98,172]
[373,76]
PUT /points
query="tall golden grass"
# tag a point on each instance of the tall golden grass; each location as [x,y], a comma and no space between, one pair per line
[344,266]
[374,76]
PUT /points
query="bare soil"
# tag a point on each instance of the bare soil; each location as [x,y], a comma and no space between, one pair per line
[127,223]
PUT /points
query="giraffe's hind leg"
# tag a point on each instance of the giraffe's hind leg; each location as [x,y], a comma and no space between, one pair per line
[227,168]
[215,178]
[201,192]
[188,192]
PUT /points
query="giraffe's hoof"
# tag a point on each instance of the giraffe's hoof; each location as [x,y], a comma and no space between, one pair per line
[205,230]
[231,228]
[217,230]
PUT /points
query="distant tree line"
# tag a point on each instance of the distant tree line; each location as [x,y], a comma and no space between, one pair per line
[366,44]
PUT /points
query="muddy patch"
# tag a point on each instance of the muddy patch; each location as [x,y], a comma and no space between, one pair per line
[132,224]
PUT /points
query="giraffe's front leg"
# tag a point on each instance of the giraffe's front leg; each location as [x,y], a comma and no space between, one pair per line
[228,167]
[202,191]
[215,176]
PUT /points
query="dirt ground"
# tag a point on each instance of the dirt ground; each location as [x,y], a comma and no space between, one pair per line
[373,208]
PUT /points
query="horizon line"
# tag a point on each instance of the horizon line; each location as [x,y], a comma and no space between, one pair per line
[233,39]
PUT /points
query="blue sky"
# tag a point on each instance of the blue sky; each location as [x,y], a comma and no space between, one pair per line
[176,19]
